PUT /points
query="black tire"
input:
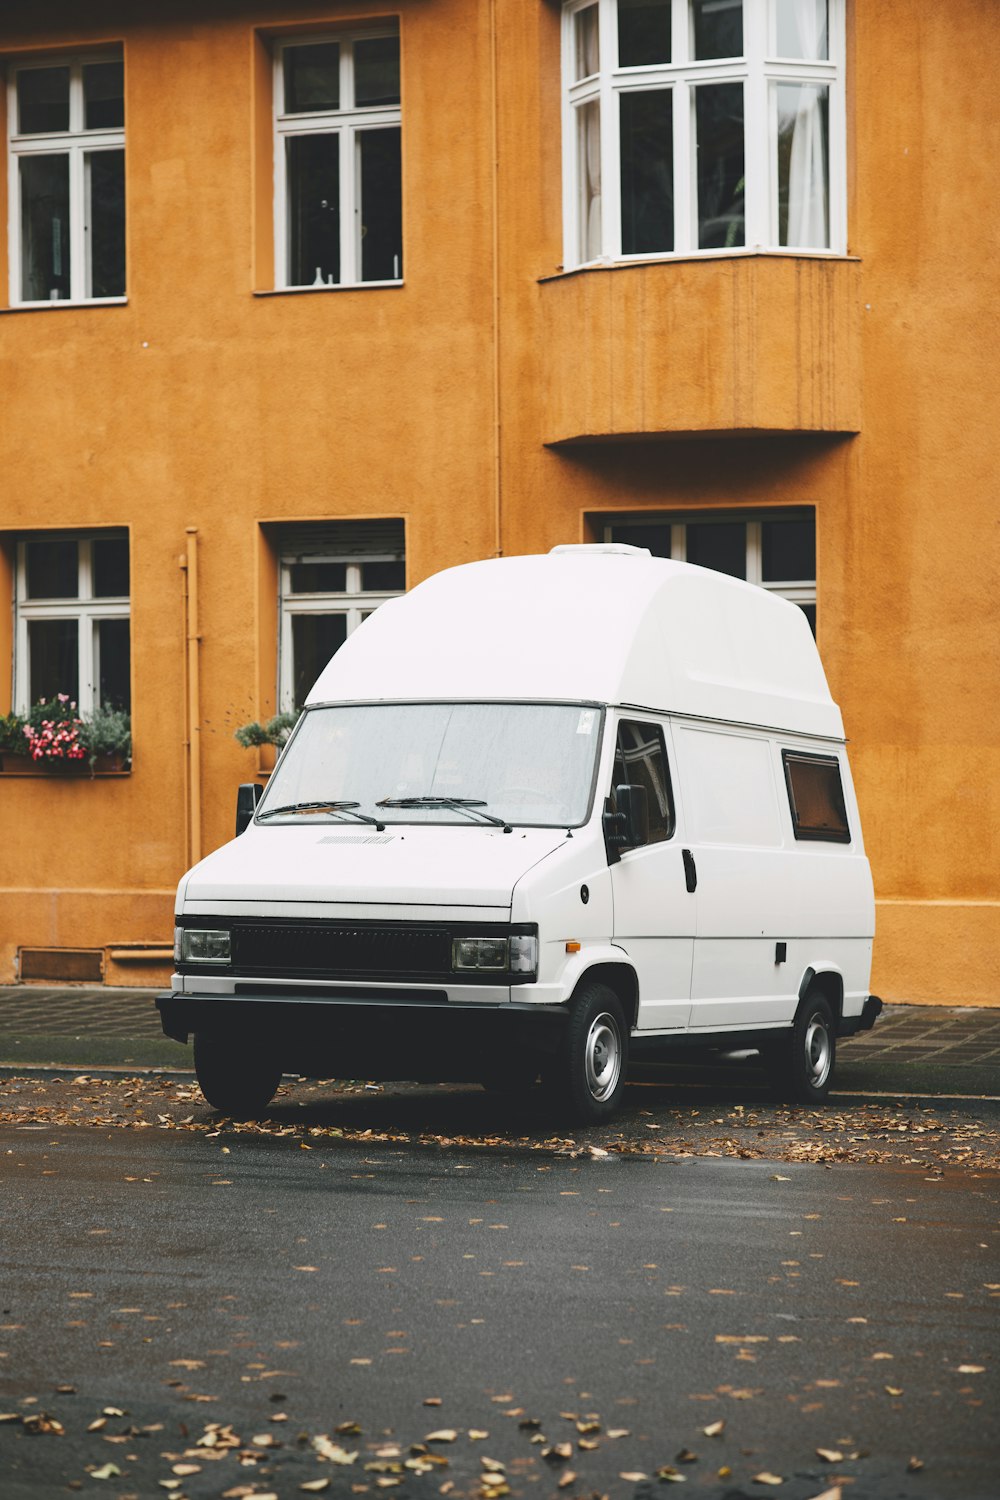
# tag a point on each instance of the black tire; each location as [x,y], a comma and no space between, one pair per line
[588,1071]
[238,1080]
[801,1064]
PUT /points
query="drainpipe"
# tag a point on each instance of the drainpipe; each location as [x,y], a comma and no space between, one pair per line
[193,715]
[495,289]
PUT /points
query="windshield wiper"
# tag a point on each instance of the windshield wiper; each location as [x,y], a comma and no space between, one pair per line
[331,807]
[470,805]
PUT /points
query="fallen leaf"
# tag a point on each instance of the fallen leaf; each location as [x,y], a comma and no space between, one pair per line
[971,1369]
[443,1435]
[332,1452]
[633,1476]
[765,1478]
[685,1456]
[914,1466]
[565,1480]
[830,1455]
[314,1486]
[893,1390]
[107,1471]
[713,1429]
[476,1434]
[669,1475]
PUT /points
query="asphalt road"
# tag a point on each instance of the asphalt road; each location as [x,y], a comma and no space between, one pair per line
[174,1281]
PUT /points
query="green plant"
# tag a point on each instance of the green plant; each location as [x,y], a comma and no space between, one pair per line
[107,731]
[274,732]
[12,736]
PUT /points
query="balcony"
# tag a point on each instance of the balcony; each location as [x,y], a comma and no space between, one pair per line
[728,345]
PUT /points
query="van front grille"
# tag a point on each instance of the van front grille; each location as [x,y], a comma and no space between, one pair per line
[332,950]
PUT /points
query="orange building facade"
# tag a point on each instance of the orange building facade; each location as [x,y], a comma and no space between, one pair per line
[300,303]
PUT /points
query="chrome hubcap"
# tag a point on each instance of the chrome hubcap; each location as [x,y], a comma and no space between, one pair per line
[817,1052]
[603,1056]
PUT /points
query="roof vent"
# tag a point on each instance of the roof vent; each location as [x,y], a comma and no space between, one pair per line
[612,549]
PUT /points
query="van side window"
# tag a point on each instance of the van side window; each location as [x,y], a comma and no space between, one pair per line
[816,797]
[641,760]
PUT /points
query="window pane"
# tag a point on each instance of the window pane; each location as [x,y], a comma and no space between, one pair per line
[110,556]
[103,95]
[376,71]
[380,204]
[816,794]
[721,178]
[789,550]
[721,545]
[652,534]
[588,118]
[640,761]
[53,569]
[312,78]
[44,228]
[42,100]
[315,638]
[587,40]
[55,659]
[803,174]
[809,610]
[383,577]
[113,655]
[718,28]
[105,225]
[802,29]
[314,209]
[647,172]
[643,32]
[318,578]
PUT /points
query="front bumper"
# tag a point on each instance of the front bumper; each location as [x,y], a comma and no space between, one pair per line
[384,1034]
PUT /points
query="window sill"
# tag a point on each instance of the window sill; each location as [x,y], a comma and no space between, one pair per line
[691,257]
[65,304]
[352,286]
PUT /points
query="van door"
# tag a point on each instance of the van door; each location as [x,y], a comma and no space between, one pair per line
[737,850]
[654,914]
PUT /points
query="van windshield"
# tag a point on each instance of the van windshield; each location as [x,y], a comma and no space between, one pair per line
[526,763]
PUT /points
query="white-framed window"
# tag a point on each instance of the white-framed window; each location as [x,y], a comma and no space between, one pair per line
[71,616]
[695,126]
[66,143]
[337,159]
[774,549]
[332,577]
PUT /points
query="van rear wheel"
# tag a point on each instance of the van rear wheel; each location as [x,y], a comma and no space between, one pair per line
[588,1072]
[238,1080]
[801,1064]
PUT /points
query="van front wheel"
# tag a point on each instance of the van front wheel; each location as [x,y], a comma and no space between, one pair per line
[801,1065]
[237,1080]
[589,1069]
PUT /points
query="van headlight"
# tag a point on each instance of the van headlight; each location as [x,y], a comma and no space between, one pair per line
[516,954]
[202,945]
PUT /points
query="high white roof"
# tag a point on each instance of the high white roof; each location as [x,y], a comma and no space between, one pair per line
[606,623]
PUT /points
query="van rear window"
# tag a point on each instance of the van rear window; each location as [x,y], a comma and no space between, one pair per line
[816,797]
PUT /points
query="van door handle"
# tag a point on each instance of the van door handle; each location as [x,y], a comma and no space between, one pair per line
[690,873]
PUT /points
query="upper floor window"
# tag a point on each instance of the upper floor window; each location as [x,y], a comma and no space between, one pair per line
[774,549]
[332,577]
[67,180]
[72,620]
[702,125]
[337,160]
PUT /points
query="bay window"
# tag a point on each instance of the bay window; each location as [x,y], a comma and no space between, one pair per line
[337,160]
[67,179]
[702,125]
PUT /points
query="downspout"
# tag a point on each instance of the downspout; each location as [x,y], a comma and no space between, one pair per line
[495,209]
[190,564]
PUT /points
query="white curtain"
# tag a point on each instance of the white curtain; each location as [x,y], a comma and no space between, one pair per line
[590,164]
[808,191]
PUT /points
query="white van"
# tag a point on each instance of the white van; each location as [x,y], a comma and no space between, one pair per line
[541,816]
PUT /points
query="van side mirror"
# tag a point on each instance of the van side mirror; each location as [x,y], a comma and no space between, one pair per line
[247,797]
[628,828]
